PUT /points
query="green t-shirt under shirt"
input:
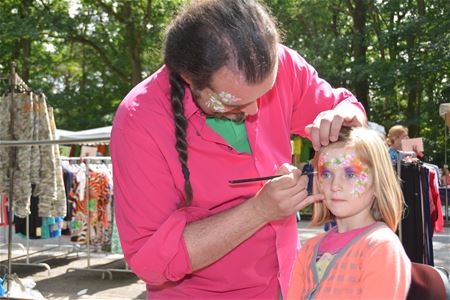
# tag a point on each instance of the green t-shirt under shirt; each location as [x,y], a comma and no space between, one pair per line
[233,132]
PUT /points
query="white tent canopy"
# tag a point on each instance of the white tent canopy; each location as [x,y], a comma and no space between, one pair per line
[96,133]
[444,112]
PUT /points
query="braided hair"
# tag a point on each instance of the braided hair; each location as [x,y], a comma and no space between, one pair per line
[206,36]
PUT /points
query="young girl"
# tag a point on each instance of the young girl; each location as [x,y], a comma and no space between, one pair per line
[362,257]
[394,138]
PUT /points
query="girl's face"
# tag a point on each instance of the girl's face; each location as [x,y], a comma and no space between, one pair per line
[397,141]
[347,184]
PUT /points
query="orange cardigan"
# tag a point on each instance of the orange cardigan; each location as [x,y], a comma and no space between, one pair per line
[372,266]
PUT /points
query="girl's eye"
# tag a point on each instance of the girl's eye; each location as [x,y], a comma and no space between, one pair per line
[325,174]
[350,173]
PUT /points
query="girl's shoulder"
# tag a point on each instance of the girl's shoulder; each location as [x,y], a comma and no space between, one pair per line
[381,234]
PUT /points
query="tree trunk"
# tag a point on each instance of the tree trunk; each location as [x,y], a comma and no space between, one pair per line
[25,42]
[359,14]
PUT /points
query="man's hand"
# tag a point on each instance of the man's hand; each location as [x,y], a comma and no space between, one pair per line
[283,196]
[327,124]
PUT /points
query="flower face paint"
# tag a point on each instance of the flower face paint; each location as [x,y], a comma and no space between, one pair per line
[347,184]
[347,165]
[217,101]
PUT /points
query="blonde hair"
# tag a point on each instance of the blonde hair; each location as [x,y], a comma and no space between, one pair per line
[394,132]
[371,149]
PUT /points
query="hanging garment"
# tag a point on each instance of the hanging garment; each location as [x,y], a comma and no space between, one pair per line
[34,222]
[415,228]
[17,127]
[5,152]
[96,203]
[68,177]
[60,205]
[412,223]
[3,210]
[116,248]
[52,200]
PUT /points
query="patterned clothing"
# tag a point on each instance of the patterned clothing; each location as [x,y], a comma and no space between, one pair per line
[99,198]
[22,130]
[372,266]
[33,164]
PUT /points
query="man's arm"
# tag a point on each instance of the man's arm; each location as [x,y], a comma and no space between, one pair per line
[211,238]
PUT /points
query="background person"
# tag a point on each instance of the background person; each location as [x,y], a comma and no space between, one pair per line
[395,135]
[222,107]
[362,258]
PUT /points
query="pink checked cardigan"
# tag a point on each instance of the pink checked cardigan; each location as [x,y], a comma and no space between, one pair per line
[372,266]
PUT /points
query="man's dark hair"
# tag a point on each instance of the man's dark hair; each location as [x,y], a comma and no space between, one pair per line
[209,35]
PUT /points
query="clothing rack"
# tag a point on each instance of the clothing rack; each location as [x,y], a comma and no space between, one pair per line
[27,255]
[15,144]
[417,216]
[108,271]
[15,84]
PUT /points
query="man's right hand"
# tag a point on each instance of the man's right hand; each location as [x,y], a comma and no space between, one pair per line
[283,196]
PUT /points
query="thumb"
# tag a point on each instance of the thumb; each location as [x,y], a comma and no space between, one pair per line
[286,169]
[308,129]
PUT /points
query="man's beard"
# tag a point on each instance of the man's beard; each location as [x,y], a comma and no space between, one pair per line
[235,117]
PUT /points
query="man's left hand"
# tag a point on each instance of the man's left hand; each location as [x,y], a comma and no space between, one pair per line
[327,124]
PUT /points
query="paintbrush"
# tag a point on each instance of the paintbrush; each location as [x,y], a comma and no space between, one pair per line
[264,178]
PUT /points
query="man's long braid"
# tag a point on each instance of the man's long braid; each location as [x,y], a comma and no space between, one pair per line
[176,96]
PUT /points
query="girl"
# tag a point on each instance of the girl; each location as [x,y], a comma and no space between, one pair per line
[362,257]
[396,134]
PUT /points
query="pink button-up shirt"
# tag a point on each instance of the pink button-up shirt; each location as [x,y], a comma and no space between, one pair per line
[149,185]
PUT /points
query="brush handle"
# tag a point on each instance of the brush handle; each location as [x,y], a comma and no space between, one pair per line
[262,178]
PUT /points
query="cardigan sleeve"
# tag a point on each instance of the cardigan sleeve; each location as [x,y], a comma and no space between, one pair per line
[386,271]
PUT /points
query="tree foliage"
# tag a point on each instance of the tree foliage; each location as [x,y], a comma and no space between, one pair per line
[85,55]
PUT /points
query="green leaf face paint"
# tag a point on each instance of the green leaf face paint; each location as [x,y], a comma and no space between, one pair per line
[217,101]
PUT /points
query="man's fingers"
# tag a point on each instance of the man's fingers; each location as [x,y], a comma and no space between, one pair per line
[335,127]
[309,200]
[324,132]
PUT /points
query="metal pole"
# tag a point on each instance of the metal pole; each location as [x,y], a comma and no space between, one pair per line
[446,175]
[12,165]
[52,142]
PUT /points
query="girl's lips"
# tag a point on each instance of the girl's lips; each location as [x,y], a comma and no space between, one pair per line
[337,200]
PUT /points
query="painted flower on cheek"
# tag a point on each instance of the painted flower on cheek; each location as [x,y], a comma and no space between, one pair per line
[216,101]
[215,105]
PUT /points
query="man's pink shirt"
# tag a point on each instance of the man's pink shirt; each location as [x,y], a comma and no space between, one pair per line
[149,184]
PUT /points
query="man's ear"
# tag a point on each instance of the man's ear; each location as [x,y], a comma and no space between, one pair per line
[185,79]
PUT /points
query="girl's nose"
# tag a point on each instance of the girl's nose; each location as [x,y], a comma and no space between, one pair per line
[336,184]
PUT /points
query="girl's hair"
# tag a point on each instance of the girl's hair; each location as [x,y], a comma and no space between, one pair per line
[206,36]
[370,149]
[395,131]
